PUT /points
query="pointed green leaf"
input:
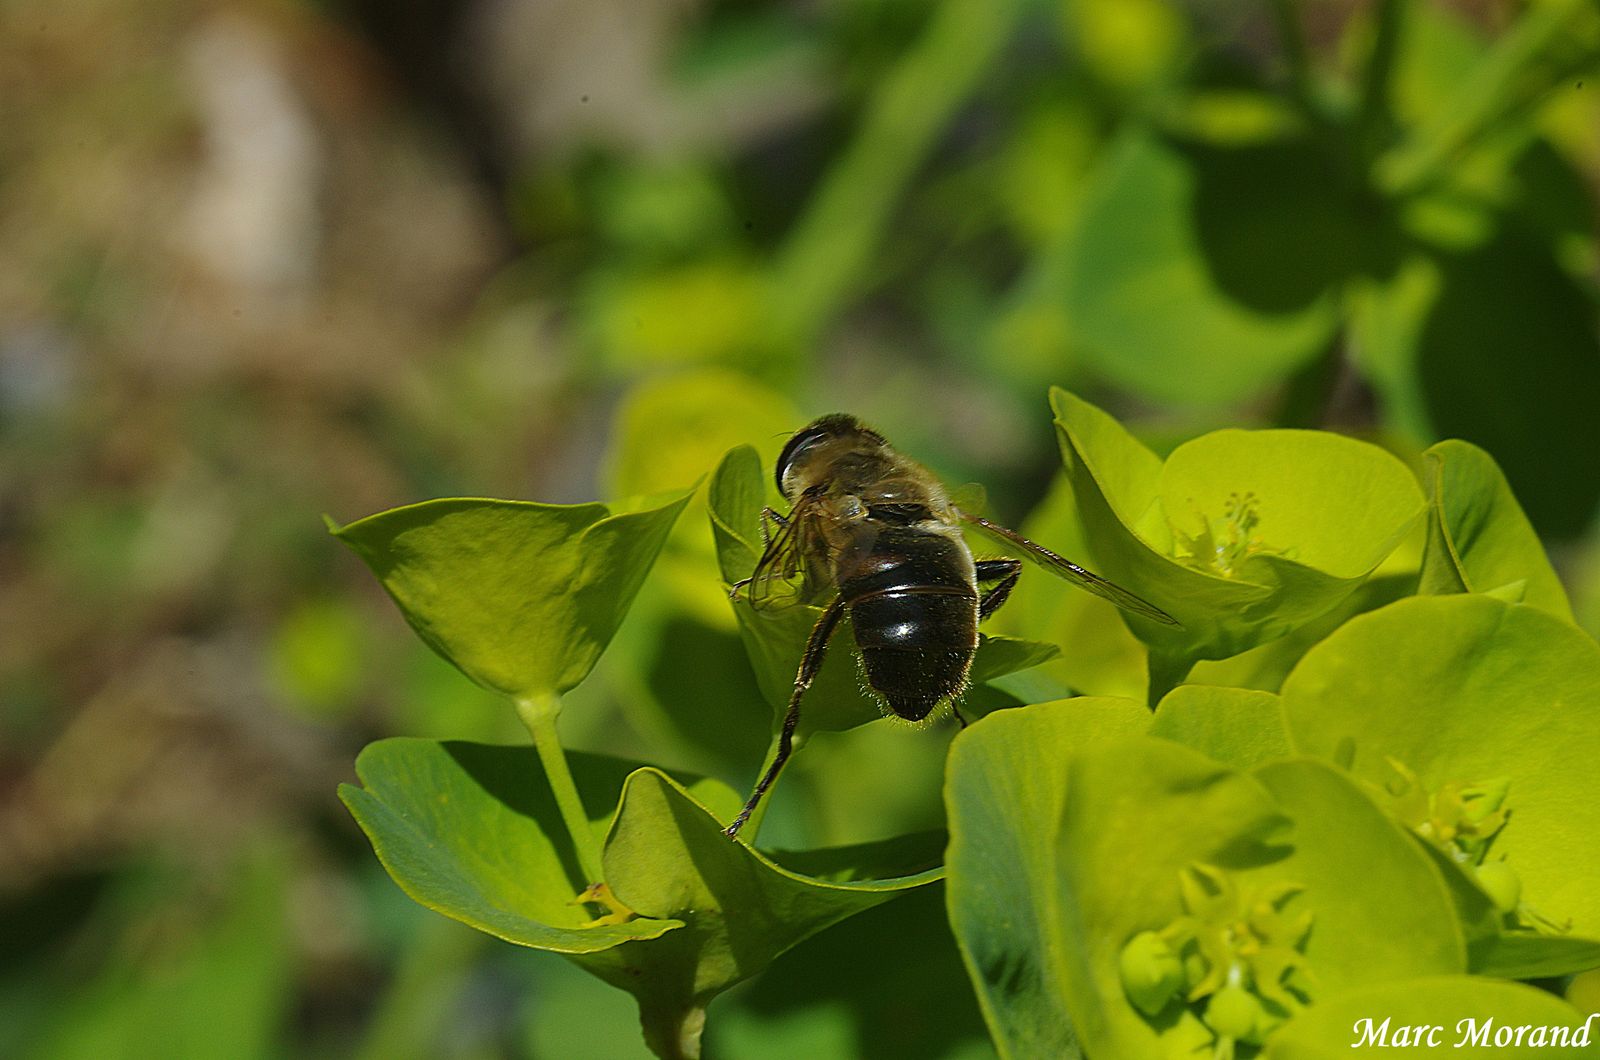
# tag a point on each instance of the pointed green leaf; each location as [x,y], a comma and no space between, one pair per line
[473,831]
[1464,689]
[1478,537]
[521,597]
[667,859]
[736,496]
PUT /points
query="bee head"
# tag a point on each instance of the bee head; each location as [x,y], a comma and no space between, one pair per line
[807,442]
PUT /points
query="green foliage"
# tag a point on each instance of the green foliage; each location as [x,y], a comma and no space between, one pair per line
[1212,875]
[1328,795]
[1479,540]
[1242,536]
[1165,268]
[1460,690]
[1375,218]
[521,597]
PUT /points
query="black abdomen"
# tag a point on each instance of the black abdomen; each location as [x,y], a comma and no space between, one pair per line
[915,615]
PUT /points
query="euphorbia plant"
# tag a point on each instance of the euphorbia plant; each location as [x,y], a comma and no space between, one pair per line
[1234,873]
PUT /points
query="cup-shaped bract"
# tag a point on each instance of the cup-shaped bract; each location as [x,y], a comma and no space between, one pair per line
[1243,536]
[1071,839]
[1462,690]
[521,597]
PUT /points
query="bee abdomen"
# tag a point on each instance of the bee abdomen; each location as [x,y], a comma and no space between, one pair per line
[916,643]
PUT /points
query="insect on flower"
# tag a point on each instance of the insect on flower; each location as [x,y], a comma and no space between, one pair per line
[878,533]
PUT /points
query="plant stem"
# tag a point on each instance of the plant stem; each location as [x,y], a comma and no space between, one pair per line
[1485,96]
[1375,118]
[673,1034]
[1297,58]
[822,263]
[419,1006]
[539,714]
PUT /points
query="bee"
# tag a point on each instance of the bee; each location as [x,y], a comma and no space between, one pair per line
[876,535]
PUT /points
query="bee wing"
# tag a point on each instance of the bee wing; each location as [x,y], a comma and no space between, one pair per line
[1072,572]
[970,497]
[772,583]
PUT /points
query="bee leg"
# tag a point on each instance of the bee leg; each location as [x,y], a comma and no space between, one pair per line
[768,517]
[960,718]
[810,663]
[1006,571]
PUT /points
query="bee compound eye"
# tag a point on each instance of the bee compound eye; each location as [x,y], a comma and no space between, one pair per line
[803,440]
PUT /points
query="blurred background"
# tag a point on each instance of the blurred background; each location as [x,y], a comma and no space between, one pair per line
[262,260]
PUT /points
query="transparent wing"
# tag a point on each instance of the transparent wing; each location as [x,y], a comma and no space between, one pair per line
[970,497]
[1072,572]
[775,583]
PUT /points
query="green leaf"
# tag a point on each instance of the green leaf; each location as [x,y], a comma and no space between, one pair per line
[521,597]
[1478,537]
[667,858]
[1267,666]
[473,831]
[1100,657]
[735,498]
[1066,839]
[1332,1027]
[1243,536]
[1436,340]
[1464,689]
[999,657]
[1382,909]
[1517,955]
[1185,250]
[822,999]
[1003,793]
[1235,726]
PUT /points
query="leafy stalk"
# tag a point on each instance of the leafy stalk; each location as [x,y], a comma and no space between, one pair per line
[1490,92]
[539,713]
[1296,55]
[824,259]
[413,1015]
[673,1033]
[1375,116]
